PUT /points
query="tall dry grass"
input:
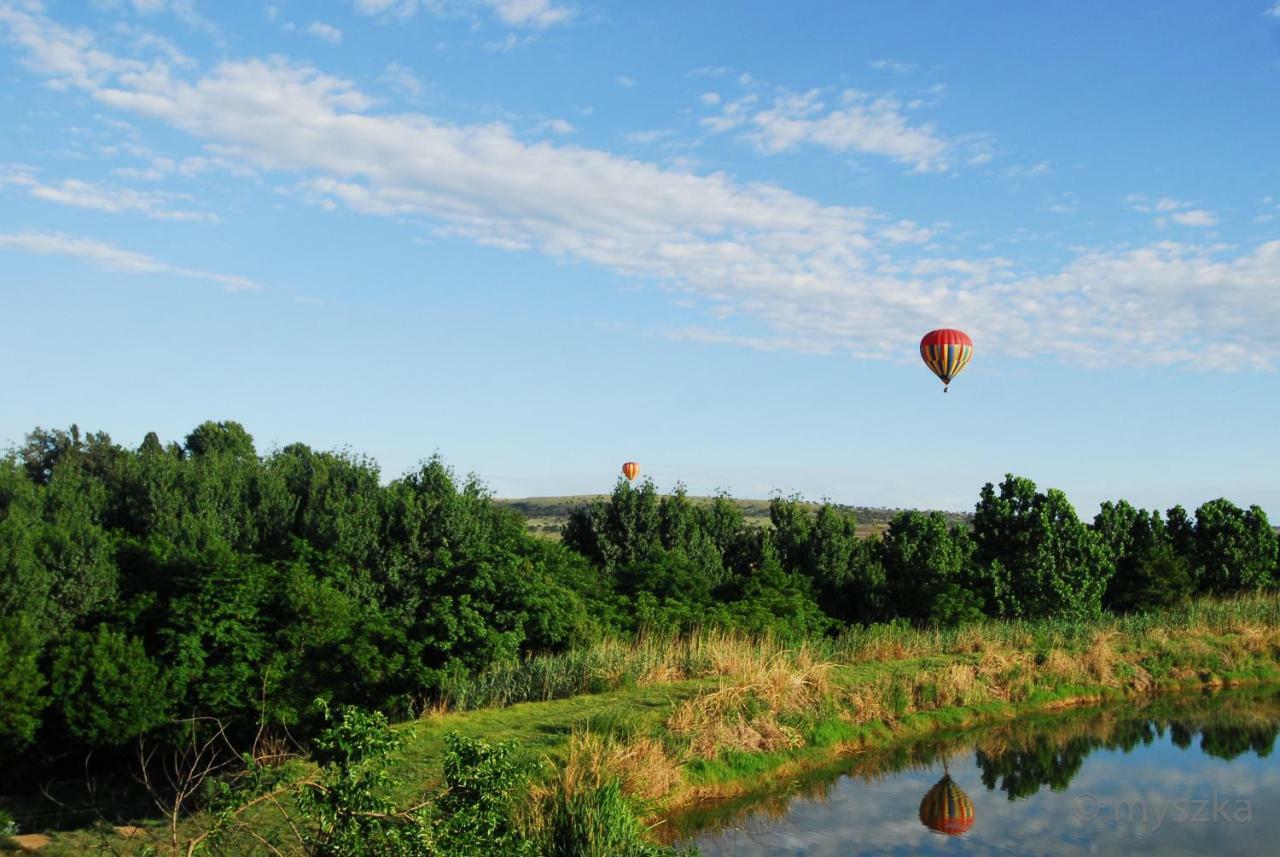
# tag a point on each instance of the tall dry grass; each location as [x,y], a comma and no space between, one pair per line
[1089,651]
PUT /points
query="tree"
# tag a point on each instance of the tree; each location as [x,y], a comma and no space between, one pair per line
[928,570]
[1160,577]
[106,689]
[220,438]
[824,546]
[1041,560]
[44,450]
[21,682]
[626,530]
[1235,549]
[1148,569]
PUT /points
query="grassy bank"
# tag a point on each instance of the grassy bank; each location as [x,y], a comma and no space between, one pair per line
[705,718]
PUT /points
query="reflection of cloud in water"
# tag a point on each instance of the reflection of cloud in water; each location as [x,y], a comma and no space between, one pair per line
[1100,812]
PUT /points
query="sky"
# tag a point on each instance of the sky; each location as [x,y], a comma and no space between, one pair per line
[542,237]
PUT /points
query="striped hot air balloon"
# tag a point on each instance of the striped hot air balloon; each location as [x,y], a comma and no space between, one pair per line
[631,470]
[946,809]
[946,352]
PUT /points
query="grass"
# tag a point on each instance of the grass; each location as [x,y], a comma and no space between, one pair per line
[678,723]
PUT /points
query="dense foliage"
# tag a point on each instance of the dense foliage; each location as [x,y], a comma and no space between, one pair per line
[207,579]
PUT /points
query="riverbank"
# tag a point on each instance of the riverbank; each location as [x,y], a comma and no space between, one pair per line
[707,717]
[690,722]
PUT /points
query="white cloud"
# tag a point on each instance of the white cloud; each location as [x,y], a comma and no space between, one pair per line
[820,277]
[82,194]
[556,126]
[538,14]
[1274,11]
[530,14]
[709,98]
[1065,203]
[183,10]
[624,81]
[1028,171]
[68,57]
[905,232]
[1194,217]
[644,138]
[509,43]
[1172,210]
[860,122]
[402,78]
[111,258]
[892,65]
[400,8]
[190,167]
[145,40]
[325,32]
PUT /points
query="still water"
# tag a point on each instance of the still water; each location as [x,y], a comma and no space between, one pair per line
[1174,775]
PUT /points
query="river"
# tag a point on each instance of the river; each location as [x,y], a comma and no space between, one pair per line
[1167,775]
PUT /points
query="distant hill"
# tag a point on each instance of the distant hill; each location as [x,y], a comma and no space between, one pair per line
[546,515]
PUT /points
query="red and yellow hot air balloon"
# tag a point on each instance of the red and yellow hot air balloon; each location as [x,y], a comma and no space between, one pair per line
[946,352]
[630,470]
[946,809]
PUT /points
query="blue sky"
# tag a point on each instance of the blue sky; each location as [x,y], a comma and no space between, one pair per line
[545,236]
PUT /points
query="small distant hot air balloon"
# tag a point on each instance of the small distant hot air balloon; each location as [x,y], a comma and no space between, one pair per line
[946,809]
[946,352]
[631,470]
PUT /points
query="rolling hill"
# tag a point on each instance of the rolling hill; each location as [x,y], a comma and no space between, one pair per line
[546,515]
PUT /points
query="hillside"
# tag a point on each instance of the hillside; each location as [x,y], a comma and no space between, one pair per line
[546,515]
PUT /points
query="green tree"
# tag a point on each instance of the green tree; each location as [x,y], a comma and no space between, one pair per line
[1040,559]
[1148,569]
[928,570]
[106,689]
[625,530]
[1235,549]
[21,701]
[220,438]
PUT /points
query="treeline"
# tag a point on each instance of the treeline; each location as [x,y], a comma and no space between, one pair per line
[201,578]
[1026,555]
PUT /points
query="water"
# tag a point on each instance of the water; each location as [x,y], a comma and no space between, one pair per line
[1172,776]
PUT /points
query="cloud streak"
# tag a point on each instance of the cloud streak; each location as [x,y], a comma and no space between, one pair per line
[108,257]
[860,122]
[82,194]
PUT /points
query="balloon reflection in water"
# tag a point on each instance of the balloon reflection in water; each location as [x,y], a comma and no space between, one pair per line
[946,808]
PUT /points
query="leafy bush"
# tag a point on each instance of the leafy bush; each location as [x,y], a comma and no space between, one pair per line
[474,815]
[349,813]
